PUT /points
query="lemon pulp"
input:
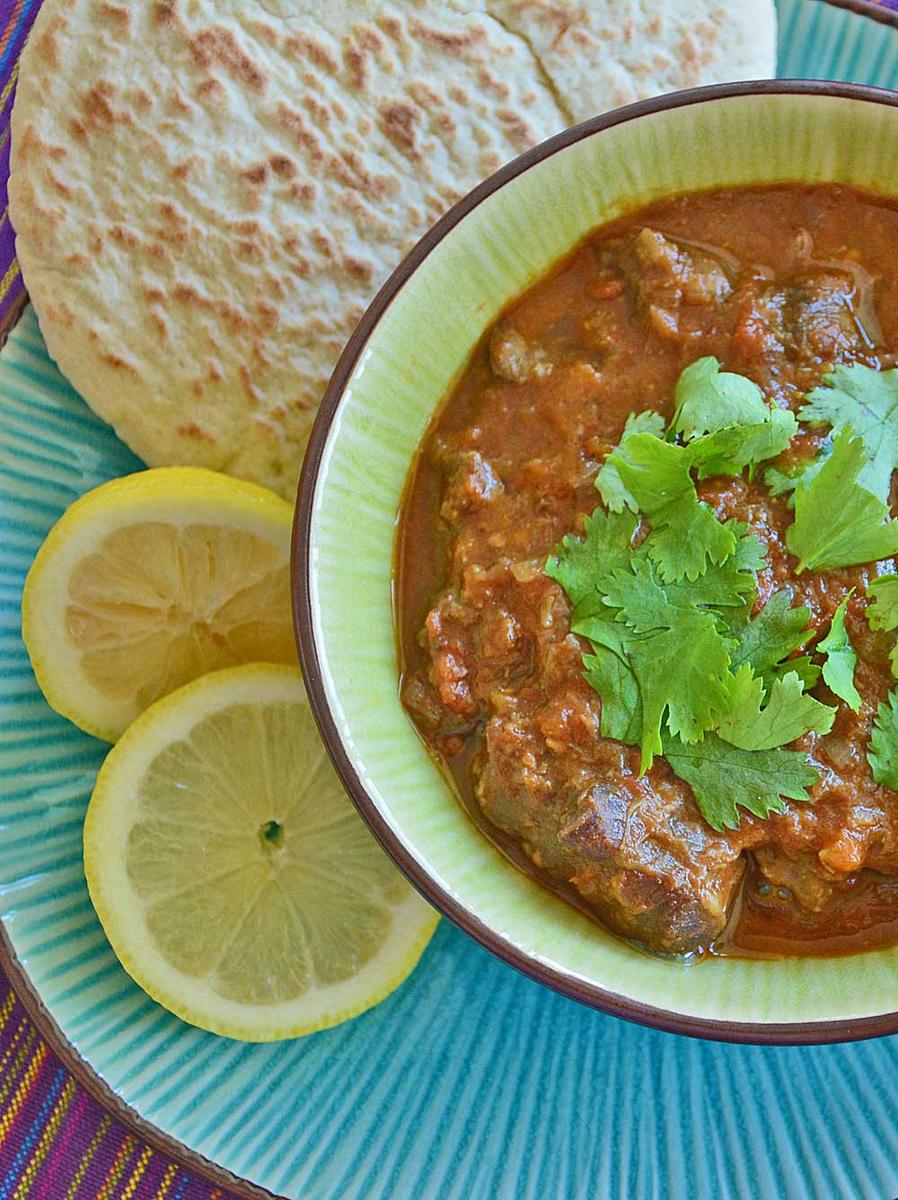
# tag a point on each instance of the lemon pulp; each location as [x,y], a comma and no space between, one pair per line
[156,606]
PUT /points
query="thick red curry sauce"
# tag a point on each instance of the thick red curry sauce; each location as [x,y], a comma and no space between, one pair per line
[779,283]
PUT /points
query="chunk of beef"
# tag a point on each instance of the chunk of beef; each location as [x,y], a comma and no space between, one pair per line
[478,642]
[451,653]
[789,334]
[430,714]
[801,881]
[820,325]
[665,276]
[634,849]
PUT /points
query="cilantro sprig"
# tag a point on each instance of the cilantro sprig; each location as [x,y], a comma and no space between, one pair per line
[784,482]
[707,399]
[882,616]
[882,612]
[768,641]
[686,535]
[608,481]
[725,421]
[858,398]
[752,724]
[724,778]
[662,588]
[670,640]
[841,496]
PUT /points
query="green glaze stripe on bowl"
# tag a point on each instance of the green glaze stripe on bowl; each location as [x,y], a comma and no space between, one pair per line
[425,335]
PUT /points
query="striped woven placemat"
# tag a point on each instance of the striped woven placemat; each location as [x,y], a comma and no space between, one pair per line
[58,1143]
[16,18]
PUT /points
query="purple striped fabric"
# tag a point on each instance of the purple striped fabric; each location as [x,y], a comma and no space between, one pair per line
[16,18]
[56,1140]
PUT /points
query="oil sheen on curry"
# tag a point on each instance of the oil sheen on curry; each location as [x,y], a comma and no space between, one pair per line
[646,587]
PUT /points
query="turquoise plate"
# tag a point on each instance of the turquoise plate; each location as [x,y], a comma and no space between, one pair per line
[471,1081]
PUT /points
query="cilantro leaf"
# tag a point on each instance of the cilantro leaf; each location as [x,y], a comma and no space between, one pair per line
[750,553]
[726,421]
[643,602]
[608,672]
[579,562]
[883,612]
[616,685]
[766,641]
[837,522]
[708,399]
[659,655]
[726,586]
[685,537]
[608,480]
[729,451]
[788,713]
[685,533]
[724,778]
[866,400]
[680,673]
[781,483]
[802,666]
[841,659]
[646,603]
[672,644]
[655,472]
[883,753]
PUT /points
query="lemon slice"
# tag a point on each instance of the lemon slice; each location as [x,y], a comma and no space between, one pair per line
[233,876]
[150,581]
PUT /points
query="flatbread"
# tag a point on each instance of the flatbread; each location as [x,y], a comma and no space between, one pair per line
[601,55]
[207,193]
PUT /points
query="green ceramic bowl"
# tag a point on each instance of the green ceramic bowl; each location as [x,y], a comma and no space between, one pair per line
[398,366]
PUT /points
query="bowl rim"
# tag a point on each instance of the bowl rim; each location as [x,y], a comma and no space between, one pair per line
[868,8]
[603,999]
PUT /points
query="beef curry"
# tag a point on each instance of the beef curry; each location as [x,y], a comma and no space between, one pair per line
[781,286]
